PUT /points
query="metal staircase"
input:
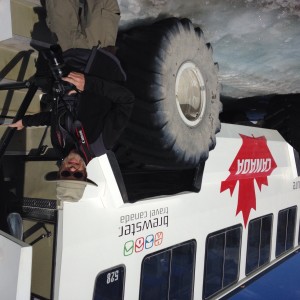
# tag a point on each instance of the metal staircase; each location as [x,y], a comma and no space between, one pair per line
[16,55]
[24,21]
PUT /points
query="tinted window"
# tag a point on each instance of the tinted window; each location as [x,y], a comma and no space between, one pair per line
[182,272]
[110,284]
[265,239]
[155,276]
[222,260]
[259,243]
[285,230]
[291,221]
[169,274]
[232,256]
[299,235]
[214,264]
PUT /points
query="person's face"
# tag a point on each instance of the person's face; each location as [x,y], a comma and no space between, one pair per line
[73,167]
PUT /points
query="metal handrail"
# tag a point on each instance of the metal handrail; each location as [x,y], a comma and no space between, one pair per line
[9,133]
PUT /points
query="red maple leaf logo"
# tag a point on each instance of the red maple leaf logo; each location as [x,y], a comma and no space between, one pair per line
[254,161]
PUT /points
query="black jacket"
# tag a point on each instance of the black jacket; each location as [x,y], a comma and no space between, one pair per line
[105,107]
[104,110]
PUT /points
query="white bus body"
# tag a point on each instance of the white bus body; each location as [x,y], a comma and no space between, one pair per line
[190,245]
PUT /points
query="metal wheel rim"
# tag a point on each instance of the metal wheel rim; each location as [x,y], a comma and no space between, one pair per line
[190,94]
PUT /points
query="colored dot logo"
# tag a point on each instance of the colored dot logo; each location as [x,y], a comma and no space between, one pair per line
[158,238]
[142,243]
[139,244]
[128,248]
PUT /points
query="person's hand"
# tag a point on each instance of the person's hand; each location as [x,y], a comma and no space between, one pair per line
[19,125]
[77,79]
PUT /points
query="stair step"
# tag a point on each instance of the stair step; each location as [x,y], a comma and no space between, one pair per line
[26,140]
[17,63]
[17,59]
[10,101]
[25,16]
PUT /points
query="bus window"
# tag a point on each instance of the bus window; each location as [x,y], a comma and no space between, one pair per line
[259,243]
[182,272]
[285,230]
[222,260]
[299,235]
[110,284]
[169,274]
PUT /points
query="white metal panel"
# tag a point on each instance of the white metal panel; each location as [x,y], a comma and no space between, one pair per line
[5,20]
[94,232]
[15,268]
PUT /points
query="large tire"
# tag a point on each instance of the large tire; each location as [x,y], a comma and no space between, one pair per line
[170,70]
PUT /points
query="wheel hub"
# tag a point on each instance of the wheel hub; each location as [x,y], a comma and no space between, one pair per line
[190,94]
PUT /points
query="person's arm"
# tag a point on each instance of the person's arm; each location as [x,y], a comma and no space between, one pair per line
[39,119]
[18,125]
[111,94]
[112,91]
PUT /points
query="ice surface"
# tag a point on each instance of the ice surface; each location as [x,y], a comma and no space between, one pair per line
[256,43]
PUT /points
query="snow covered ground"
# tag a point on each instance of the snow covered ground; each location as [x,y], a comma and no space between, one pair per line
[256,43]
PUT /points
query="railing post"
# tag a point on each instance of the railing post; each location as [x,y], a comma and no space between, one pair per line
[8,134]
